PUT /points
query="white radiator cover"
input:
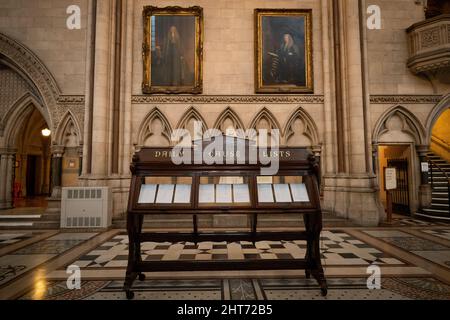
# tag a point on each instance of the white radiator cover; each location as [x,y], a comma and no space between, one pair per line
[86,207]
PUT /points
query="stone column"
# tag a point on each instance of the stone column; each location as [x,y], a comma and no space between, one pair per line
[57,157]
[102,88]
[10,159]
[7,157]
[425,192]
[54,202]
[351,191]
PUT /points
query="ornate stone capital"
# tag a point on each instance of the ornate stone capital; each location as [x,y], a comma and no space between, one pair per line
[57,151]
[422,150]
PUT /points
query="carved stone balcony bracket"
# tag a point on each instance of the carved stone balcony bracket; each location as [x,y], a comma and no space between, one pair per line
[429,47]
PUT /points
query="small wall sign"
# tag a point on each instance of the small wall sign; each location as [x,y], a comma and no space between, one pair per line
[390,178]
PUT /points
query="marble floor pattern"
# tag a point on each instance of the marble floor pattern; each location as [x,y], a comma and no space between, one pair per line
[38,269]
[25,259]
[337,247]
[7,239]
[250,289]
[424,248]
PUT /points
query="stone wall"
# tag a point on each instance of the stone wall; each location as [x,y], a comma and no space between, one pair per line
[41,26]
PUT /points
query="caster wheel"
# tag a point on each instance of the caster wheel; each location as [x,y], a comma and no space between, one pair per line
[130,295]
[324,292]
[142,277]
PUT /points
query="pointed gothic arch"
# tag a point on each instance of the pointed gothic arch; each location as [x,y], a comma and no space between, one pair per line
[310,129]
[265,113]
[192,114]
[229,114]
[17,114]
[146,131]
[434,115]
[67,123]
[401,120]
[21,59]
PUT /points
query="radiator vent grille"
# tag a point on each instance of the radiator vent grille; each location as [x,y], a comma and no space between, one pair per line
[86,207]
[84,194]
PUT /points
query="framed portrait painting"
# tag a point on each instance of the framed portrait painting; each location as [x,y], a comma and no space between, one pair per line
[283,51]
[173,50]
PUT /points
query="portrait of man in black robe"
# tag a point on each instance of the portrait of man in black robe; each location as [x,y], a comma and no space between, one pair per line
[283,51]
[173,51]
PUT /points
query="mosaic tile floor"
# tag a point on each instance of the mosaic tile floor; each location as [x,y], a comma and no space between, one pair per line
[338,248]
[424,248]
[251,289]
[7,239]
[22,260]
[413,256]
[442,233]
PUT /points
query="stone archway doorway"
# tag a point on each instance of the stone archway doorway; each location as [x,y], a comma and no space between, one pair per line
[31,174]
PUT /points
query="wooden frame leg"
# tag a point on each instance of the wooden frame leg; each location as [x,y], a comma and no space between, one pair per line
[317,271]
[308,247]
[134,254]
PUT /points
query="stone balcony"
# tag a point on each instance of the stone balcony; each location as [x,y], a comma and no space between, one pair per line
[429,48]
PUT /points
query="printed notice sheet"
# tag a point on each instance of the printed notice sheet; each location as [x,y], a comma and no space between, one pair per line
[165,193]
[182,193]
[206,193]
[223,193]
[282,193]
[265,194]
[147,194]
[241,193]
[299,193]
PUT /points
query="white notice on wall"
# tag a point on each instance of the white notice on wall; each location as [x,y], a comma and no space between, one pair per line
[299,193]
[182,193]
[147,194]
[282,193]
[206,193]
[241,193]
[425,167]
[391,178]
[223,193]
[165,193]
[265,194]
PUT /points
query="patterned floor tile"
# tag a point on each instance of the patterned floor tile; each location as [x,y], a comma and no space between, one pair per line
[7,239]
[337,247]
[424,248]
[250,289]
[441,233]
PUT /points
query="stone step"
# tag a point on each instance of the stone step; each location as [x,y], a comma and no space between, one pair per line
[440,183]
[439,200]
[441,195]
[439,205]
[440,188]
[436,211]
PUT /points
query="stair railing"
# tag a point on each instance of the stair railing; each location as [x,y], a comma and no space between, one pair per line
[432,164]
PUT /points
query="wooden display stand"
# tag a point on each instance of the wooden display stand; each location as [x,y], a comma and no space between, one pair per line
[159,186]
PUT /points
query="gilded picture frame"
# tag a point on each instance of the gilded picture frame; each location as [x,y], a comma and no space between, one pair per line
[284,51]
[173,50]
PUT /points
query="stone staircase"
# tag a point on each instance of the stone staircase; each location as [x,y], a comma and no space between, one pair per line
[440,193]
[28,219]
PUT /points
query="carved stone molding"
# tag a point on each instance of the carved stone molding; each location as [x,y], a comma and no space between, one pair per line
[19,57]
[203,99]
[65,99]
[409,99]
[25,60]
[398,125]
[429,43]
